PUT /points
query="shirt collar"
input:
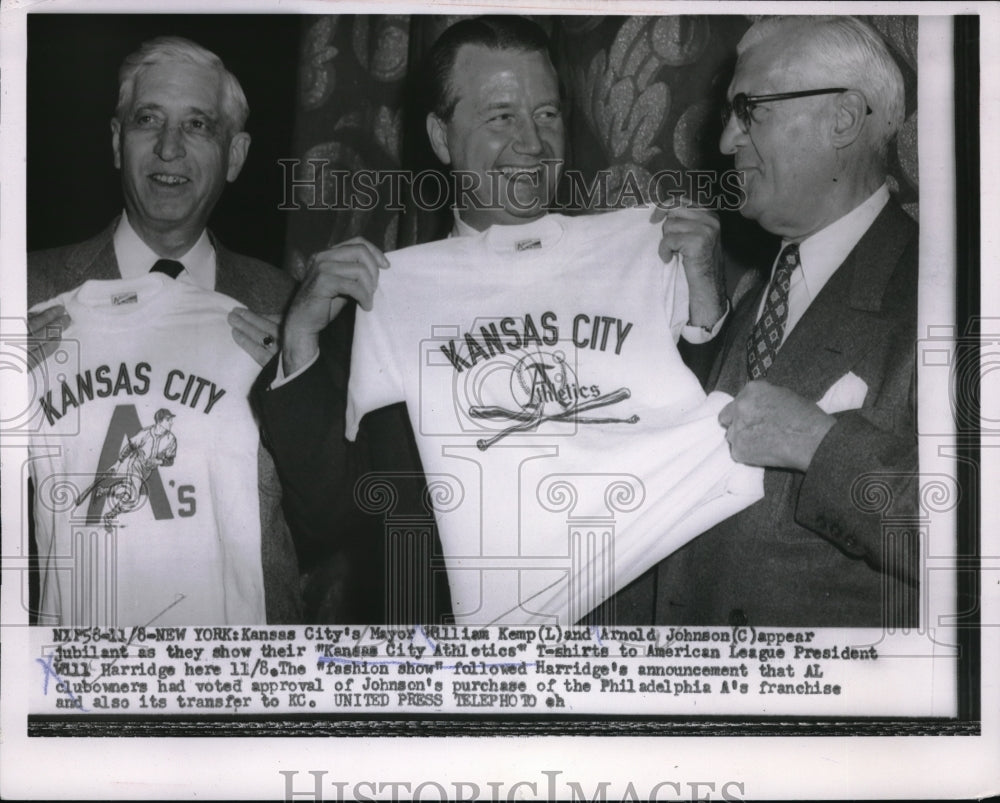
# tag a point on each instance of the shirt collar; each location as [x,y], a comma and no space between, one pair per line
[461,228]
[822,253]
[136,258]
[502,240]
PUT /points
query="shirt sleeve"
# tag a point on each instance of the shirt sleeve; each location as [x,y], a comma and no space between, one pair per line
[696,335]
[279,375]
[678,306]
[375,378]
[675,296]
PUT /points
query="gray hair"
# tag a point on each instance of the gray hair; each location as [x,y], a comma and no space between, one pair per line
[853,55]
[168,49]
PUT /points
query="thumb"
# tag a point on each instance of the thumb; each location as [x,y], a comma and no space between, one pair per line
[659,213]
[727,414]
[297,266]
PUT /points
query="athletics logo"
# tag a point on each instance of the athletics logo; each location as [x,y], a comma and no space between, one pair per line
[545,388]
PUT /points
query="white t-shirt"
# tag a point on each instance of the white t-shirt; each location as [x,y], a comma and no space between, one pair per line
[567,447]
[145,461]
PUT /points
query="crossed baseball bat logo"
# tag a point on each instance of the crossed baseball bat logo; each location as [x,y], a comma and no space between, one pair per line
[531,417]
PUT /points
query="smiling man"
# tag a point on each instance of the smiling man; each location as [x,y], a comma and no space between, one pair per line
[500,123]
[821,359]
[494,118]
[178,138]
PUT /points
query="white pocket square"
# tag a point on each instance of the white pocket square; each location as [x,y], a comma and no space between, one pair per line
[847,393]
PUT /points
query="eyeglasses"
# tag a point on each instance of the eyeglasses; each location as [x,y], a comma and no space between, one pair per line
[743,104]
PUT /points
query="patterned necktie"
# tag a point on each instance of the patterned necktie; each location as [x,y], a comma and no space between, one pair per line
[171,267]
[765,340]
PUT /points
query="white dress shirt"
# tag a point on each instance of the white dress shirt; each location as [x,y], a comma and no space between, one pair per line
[135,258]
[822,253]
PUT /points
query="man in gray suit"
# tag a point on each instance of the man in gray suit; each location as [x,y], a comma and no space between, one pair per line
[812,109]
[178,139]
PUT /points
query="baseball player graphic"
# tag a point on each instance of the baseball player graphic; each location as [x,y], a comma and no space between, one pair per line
[124,482]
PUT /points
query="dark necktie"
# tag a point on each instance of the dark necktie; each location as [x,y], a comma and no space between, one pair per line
[765,340]
[171,267]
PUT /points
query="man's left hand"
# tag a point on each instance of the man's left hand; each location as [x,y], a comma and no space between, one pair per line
[774,427]
[693,234]
[256,334]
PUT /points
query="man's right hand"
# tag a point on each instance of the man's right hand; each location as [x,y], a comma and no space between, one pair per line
[348,270]
[45,330]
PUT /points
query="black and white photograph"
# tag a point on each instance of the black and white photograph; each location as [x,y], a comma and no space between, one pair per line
[543,402]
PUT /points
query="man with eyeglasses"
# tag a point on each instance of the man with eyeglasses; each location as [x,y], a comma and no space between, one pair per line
[820,359]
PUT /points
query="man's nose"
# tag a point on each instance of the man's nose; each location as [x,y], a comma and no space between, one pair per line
[732,136]
[170,143]
[527,140]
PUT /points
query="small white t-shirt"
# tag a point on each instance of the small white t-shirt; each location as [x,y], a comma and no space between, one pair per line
[144,460]
[567,447]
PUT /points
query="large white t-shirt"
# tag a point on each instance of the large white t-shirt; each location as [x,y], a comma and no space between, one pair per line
[567,447]
[144,461]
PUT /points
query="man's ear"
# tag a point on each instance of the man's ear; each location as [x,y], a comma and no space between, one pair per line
[116,141]
[437,133]
[239,146]
[852,113]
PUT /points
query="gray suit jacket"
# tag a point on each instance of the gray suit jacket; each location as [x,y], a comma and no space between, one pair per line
[259,287]
[836,546]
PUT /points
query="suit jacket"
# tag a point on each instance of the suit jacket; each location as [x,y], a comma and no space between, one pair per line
[837,545]
[259,287]
[375,556]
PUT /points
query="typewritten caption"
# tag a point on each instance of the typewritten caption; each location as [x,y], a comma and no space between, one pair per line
[426,669]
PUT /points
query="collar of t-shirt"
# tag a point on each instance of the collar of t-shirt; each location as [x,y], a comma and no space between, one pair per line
[536,238]
[822,253]
[504,238]
[135,258]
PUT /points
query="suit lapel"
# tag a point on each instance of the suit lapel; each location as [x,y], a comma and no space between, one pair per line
[830,338]
[732,368]
[841,324]
[844,321]
[94,258]
[226,276]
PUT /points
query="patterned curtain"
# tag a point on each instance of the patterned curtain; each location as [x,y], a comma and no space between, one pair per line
[643,97]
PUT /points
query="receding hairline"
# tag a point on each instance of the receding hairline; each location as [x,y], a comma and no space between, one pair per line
[844,50]
[490,49]
[466,47]
[230,103]
[795,43]
[494,32]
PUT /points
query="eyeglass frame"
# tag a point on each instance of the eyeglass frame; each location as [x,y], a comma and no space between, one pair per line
[749,102]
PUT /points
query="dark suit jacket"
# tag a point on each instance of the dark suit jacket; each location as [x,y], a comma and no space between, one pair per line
[376,554]
[258,286]
[835,546]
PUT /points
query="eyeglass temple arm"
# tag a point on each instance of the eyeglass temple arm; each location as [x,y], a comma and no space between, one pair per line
[750,99]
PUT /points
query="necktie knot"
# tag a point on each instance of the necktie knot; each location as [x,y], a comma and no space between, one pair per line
[769,331]
[171,267]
